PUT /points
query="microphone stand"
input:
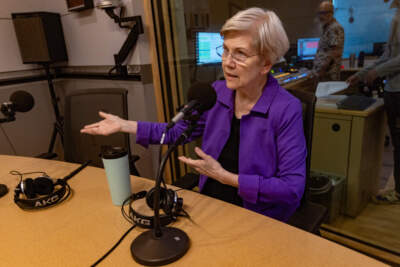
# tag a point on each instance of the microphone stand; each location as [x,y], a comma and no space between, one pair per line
[8,119]
[8,113]
[162,245]
[59,123]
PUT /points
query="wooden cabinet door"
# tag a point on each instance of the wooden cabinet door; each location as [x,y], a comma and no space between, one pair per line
[330,145]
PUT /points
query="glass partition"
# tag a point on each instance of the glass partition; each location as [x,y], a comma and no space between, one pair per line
[352,147]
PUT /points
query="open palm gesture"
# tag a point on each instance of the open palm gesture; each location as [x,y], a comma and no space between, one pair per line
[111,124]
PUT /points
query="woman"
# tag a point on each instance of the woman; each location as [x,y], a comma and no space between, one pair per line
[253,150]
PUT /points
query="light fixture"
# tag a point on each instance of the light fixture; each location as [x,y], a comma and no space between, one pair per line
[137,28]
[108,4]
[78,5]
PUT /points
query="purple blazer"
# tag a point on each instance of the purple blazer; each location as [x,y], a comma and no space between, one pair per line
[272,150]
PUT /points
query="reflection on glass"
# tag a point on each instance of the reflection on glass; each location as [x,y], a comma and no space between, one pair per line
[354,146]
[206,47]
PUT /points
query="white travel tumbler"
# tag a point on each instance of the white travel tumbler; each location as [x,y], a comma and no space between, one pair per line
[116,165]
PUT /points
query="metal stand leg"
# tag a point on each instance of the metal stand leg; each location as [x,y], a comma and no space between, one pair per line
[58,125]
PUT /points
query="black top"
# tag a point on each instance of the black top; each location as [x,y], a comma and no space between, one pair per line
[229,160]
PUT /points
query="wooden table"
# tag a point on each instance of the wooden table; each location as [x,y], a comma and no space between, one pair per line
[80,230]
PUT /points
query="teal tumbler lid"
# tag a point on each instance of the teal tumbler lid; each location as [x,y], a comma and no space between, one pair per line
[109,152]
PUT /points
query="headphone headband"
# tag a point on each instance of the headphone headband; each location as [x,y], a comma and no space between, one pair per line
[42,202]
[172,206]
[43,185]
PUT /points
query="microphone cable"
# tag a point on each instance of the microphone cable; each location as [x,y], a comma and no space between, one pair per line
[129,219]
[114,247]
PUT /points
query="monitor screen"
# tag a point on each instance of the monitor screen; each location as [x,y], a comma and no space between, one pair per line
[307,48]
[206,44]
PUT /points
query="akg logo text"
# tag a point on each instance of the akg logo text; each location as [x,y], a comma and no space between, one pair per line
[46,202]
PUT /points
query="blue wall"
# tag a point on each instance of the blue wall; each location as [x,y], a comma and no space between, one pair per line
[371,23]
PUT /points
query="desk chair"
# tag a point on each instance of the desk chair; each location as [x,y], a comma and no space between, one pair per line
[189,181]
[81,108]
[309,216]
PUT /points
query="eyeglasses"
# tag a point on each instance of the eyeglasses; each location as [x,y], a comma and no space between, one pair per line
[238,57]
[323,12]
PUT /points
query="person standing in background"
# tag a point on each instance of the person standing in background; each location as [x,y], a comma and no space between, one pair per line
[327,62]
[388,65]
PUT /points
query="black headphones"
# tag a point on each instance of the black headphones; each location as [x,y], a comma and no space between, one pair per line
[40,192]
[170,203]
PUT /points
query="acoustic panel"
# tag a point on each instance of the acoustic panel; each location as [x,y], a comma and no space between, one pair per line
[40,37]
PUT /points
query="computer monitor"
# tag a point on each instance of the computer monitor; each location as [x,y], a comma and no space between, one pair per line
[206,44]
[307,48]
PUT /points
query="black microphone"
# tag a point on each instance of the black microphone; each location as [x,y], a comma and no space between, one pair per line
[20,101]
[75,172]
[201,97]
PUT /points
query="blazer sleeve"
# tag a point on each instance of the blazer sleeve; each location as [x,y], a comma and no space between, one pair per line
[151,132]
[287,184]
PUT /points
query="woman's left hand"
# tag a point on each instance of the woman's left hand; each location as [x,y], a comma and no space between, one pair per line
[208,166]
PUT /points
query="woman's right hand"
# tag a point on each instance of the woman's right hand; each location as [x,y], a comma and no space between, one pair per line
[111,124]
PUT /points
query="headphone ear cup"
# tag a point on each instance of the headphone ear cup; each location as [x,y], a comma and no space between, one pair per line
[169,201]
[166,199]
[27,188]
[150,198]
[43,186]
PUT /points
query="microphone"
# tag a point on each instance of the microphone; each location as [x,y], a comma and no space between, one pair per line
[201,97]
[163,245]
[20,101]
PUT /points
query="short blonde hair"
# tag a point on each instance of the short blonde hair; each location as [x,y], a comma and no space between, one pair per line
[270,40]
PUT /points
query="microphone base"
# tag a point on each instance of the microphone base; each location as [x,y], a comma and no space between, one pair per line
[149,250]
